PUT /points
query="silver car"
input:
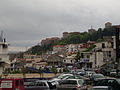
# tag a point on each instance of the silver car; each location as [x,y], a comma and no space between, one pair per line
[72,84]
[40,85]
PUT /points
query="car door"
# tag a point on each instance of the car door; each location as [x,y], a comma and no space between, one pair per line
[64,85]
[41,86]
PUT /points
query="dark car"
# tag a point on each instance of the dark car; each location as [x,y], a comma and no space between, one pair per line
[114,83]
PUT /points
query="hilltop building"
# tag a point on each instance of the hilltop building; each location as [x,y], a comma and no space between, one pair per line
[91,30]
[66,34]
[48,41]
[108,25]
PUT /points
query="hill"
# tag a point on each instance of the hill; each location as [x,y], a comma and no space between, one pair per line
[75,39]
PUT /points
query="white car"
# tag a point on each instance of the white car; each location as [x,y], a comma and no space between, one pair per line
[72,84]
[60,77]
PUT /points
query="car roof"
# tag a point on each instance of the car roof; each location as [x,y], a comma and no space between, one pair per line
[75,79]
[41,81]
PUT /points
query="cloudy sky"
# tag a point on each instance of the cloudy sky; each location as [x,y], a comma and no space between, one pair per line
[27,22]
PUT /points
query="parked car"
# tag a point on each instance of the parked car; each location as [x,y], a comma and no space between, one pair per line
[114,83]
[89,73]
[101,88]
[60,77]
[80,72]
[96,77]
[87,80]
[113,73]
[40,85]
[28,81]
[72,84]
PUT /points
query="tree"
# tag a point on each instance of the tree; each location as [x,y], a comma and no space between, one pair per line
[24,72]
[41,72]
[54,70]
[65,69]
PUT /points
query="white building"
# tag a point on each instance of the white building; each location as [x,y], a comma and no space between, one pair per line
[72,48]
[69,60]
[4,57]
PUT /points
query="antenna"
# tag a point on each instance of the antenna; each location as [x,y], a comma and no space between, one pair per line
[91,27]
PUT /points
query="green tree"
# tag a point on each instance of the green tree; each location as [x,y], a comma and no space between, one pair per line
[65,69]
[54,70]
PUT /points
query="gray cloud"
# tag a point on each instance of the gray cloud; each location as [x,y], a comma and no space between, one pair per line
[26,22]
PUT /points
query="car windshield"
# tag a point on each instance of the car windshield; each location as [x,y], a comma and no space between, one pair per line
[63,77]
[74,82]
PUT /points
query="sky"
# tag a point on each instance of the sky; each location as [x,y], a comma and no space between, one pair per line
[26,22]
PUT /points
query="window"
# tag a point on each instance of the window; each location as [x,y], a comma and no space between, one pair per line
[64,82]
[103,45]
[88,56]
[21,82]
[109,53]
[17,82]
[40,84]
[72,82]
[69,82]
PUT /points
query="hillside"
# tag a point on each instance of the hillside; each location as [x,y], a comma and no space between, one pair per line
[75,39]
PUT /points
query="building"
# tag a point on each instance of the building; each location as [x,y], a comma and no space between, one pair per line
[17,64]
[55,60]
[91,30]
[60,50]
[85,60]
[67,34]
[69,60]
[72,48]
[4,57]
[33,58]
[48,41]
[108,24]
